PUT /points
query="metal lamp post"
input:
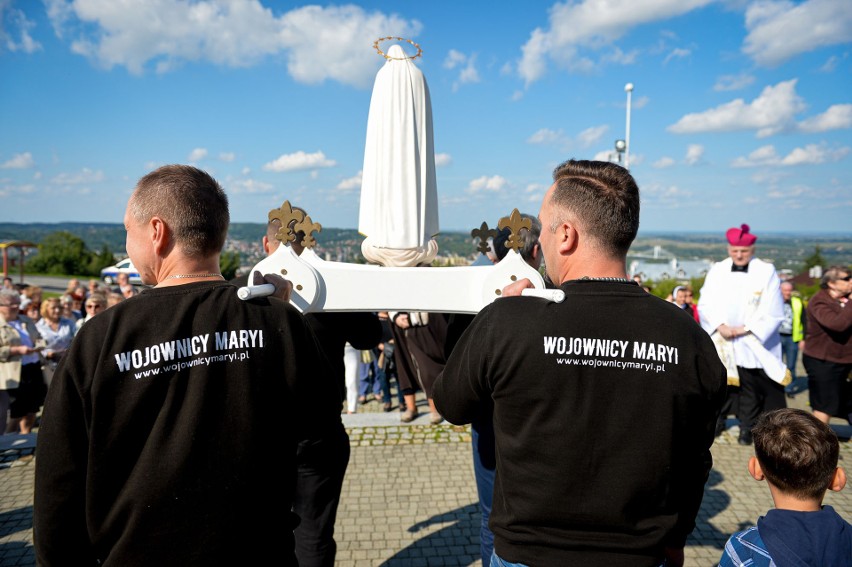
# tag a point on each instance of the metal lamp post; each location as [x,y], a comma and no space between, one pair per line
[620,146]
[628,88]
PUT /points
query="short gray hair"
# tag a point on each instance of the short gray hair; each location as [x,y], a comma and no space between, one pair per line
[529,239]
[191,202]
[832,274]
[8,295]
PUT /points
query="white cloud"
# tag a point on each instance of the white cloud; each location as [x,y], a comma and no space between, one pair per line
[197,155]
[591,136]
[663,162]
[246,170]
[591,24]
[640,102]
[662,191]
[837,116]
[694,153]
[442,160]
[19,161]
[813,154]
[485,183]
[733,82]
[454,58]
[604,155]
[667,196]
[327,43]
[350,183]
[319,43]
[83,176]
[810,154]
[227,157]
[517,95]
[535,192]
[299,160]
[831,63]
[546,136]
[789,192]
[249,186]
[764,155]
[677,53]
[532,65]
[771,177]
[780,30]
[8,189]
[467,68]
[619,57]
[14,22]
[772,112]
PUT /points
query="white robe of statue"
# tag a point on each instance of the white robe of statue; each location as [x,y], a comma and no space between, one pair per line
[399,195]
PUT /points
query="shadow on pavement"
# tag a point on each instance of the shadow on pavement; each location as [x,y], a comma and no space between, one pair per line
[714,502]
[459,541]
[18,553]
[16,521]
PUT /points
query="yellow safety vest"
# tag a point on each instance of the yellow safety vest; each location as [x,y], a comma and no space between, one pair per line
[798,331]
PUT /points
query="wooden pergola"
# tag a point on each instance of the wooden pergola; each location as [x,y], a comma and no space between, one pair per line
[21,245]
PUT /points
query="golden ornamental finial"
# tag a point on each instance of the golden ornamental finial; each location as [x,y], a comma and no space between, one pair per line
[294,220]
[483,233]
[514,222]
[308,226]
[286,215]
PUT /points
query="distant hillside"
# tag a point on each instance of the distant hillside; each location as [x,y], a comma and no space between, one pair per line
[787,250]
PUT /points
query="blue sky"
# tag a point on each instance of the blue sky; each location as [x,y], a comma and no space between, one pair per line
[741,110]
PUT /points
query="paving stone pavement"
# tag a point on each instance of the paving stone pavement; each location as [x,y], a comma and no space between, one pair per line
[409,497]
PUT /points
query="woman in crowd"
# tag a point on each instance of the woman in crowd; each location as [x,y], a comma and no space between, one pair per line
[57,331]
[33,293]
[94,305]
[32,311]
[66,302]
[21,378]
[828,348]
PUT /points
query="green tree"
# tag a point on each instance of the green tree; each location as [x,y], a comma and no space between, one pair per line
[815,259]
[62,253]
[229,263]
[101,260]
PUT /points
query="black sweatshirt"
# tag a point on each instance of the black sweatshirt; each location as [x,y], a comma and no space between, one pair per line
[170,428]
[604,413]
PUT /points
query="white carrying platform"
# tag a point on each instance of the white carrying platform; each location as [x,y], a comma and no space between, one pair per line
[335,286]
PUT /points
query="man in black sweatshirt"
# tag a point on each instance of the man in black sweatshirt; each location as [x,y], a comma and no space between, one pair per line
[170,430]
[604,404]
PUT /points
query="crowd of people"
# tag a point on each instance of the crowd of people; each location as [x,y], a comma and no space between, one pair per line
[35,333]
[593,417]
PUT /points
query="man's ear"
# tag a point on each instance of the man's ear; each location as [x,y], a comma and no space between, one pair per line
[568,238]
[266,245]
[754,469]
[161,236]
[838,481]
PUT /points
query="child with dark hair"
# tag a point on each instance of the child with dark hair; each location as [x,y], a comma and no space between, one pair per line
[797,456]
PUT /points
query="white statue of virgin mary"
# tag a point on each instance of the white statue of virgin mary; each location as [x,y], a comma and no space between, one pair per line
[399,195]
